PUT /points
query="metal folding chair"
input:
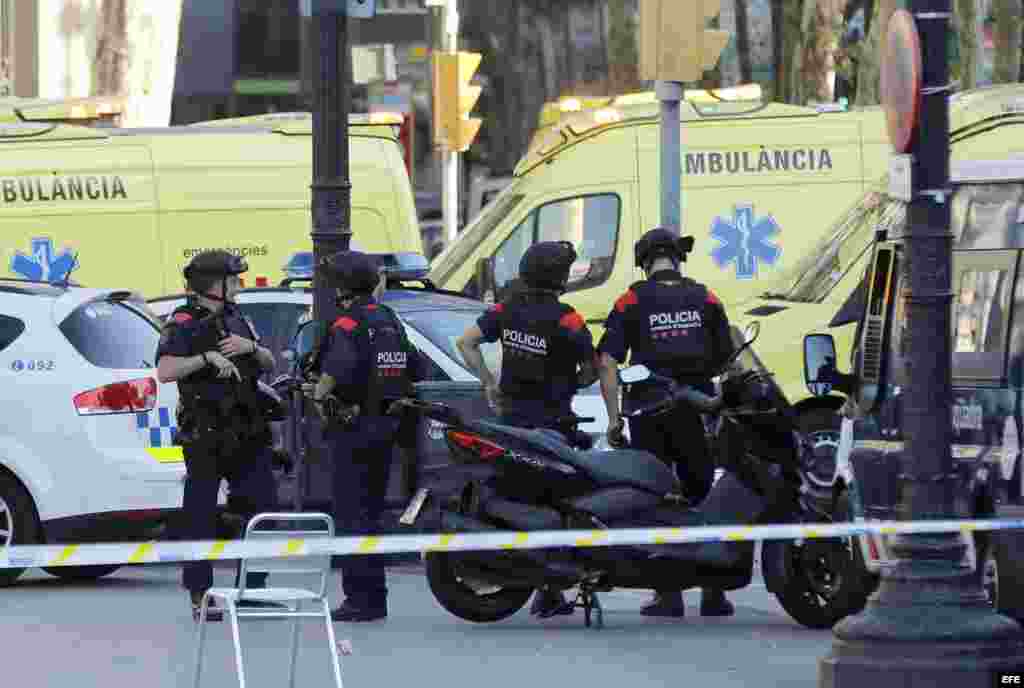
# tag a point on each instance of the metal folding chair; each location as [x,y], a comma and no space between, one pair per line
[319,525]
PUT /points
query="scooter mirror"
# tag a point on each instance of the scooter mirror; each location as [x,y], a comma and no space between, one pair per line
[633,374]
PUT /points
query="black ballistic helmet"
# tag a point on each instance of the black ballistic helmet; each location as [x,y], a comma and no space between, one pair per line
[351,272]
[661,242]
[207,268]
[546,264]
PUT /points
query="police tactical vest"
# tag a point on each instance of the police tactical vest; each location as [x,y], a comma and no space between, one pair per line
[530,344]
[669,330]
[380,334]
[222,402]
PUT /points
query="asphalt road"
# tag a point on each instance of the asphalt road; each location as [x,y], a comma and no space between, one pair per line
[134,630]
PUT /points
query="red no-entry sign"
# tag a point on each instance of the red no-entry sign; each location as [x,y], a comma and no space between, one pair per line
[901,79]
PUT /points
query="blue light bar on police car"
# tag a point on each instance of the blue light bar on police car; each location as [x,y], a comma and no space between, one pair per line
[403,266]
[406,265]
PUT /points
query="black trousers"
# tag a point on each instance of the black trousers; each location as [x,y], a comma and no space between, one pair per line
[362,455]
[677,437]
[248,470]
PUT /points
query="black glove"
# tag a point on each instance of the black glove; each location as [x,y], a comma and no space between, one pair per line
[615,436]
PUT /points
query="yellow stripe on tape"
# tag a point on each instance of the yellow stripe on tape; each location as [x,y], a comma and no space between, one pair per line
[740,535]
[442,543]
[889,530]
[65,554]
[217,549]
[167,454]
[521,539]
[141,552]
[369,544]
[967,528]
[594,537]
[294,547]
[811,533]
[662,540]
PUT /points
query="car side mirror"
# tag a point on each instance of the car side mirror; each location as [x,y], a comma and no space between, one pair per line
[819,352]
[634,374]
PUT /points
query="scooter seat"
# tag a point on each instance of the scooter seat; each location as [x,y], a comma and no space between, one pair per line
[631,467]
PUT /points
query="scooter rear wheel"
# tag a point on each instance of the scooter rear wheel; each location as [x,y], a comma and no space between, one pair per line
[467,600]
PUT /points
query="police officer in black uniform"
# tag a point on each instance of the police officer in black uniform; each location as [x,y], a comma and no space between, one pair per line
[212,351]
[547,353]
[368,363]
[678,328]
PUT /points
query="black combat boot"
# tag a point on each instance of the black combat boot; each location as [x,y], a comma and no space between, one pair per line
[548,603]
[665,603]
[714,603]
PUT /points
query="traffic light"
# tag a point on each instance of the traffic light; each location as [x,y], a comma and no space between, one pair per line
[674,43]
[454,97]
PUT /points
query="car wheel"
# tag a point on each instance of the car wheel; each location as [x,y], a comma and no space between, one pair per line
[18,522]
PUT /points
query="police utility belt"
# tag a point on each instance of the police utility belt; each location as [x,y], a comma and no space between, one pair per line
[228,416]
[342,414]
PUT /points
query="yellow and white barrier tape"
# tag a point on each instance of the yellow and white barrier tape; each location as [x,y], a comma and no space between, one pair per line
[25,556]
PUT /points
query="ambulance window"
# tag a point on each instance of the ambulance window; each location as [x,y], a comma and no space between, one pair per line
[981,309]
[980,318]
[589,223]
[988,216]
[506,258]
[812,278]
[474,234]
[10,329]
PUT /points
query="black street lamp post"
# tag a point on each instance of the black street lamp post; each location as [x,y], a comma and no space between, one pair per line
[930,623]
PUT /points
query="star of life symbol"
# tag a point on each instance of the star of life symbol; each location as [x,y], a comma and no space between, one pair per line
[42,263]
[745,241]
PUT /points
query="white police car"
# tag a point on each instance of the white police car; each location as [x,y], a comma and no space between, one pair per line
[86,442]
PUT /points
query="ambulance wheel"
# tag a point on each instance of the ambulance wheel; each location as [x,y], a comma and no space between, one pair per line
[468,599]
[19,524]
[81,574]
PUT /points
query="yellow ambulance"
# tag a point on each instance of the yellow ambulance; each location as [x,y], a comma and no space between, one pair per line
[985,125]
[759,182]
[134,205]
[764,188]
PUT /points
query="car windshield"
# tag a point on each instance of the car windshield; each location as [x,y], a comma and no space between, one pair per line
[443,328]
[812,278]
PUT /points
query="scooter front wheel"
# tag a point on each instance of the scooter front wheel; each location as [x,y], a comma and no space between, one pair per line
[468,599]
[824,583]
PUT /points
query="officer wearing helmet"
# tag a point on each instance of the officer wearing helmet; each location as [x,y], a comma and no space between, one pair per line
[367,364]
[678,328]
[547,354]
[213,353]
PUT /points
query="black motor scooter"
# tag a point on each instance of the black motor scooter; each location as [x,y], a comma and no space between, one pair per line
[539,482]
